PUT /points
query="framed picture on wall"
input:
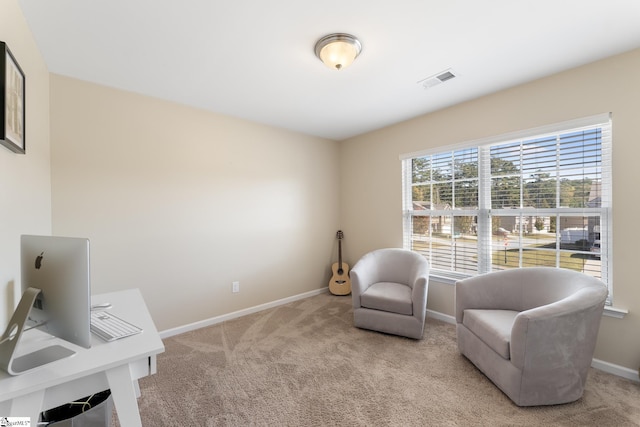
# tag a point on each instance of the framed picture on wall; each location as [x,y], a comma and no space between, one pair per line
[12,97]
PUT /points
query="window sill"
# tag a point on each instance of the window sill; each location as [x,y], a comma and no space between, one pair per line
[447,280]
[618,313]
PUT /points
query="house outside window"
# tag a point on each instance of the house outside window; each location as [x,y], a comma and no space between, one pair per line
[540,197]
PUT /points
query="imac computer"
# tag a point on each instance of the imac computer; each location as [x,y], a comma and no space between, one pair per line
[56,299]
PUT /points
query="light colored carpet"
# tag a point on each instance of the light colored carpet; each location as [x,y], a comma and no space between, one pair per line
[304,364]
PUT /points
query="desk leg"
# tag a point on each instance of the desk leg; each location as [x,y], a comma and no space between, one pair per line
[136,386]
[29,405]
[124,396]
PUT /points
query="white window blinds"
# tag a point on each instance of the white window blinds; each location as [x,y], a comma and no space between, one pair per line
[541,197]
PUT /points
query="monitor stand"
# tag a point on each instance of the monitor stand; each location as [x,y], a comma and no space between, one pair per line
[11,337]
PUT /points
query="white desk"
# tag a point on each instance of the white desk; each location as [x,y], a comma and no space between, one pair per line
[116,365]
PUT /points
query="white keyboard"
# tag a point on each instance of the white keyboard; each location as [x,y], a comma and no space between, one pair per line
[110,328]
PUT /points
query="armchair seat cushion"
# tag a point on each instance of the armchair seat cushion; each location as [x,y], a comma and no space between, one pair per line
[388,296]
[493,327]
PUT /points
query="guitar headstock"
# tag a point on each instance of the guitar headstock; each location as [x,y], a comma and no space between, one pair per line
[340,235]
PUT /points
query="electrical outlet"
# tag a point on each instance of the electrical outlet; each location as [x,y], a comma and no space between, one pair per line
[236,286]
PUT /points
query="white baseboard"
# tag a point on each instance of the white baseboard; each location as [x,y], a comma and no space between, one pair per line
[218,319]
[618,370]
[607,367]
[441,316]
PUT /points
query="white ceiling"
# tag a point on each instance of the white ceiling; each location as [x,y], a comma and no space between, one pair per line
[254,59]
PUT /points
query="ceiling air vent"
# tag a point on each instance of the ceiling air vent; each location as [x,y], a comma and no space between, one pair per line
[436,79]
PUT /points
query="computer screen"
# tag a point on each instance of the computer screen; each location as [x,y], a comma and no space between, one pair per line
[59,267]
[56,298]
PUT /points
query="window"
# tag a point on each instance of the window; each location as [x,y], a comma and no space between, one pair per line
[536,198]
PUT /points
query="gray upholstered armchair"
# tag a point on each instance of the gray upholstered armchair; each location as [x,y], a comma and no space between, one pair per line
[389,292]
[532,331]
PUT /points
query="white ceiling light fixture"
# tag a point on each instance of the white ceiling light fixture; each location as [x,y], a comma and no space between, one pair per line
[338,50]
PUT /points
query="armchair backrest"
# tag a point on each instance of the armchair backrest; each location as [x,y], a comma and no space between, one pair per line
[544,285]
[521,289]
[393,265]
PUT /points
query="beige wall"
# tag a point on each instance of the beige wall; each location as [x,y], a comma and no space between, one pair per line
[371,173]
[25,187]
[181,202]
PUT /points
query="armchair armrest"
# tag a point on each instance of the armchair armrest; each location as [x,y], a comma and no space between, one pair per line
[361,279]
[419,295]
[559,333]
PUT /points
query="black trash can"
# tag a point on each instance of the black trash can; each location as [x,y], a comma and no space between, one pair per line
[91,411]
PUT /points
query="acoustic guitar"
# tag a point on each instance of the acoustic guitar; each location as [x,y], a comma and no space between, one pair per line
[340,284]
